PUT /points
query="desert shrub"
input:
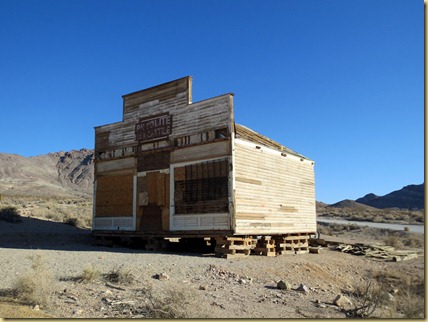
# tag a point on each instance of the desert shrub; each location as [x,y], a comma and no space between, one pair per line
[378,218]
[120,275]
[352,227]
[324,229]
[90,274]
[55,209]
[333,228]
[410,293]
[10,214]
[368,298]
[72,222]
[173,303]
[51,216]
[393,241]
[414,241]
[410,305]
[37,285]
[399,239]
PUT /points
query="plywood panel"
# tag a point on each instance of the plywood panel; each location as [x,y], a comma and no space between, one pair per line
[150,161]
[151,219]
[114,196]
[165,218]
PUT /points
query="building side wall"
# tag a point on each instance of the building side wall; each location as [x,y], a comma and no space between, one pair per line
[274,192]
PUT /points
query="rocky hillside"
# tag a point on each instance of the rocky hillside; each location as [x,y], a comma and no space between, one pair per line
[347,203]
[60,174]
[409,197]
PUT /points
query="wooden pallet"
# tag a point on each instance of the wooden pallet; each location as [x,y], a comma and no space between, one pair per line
[231,247]
[295,243]
[265,246]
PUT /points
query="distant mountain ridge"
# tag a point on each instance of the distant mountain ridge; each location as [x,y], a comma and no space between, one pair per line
[58,174]
[68,174]
[409,197]
[347,203]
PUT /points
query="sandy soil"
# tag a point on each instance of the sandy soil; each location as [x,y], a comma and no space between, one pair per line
[204,285]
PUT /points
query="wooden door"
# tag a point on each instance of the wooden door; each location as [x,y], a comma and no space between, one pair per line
[153,211]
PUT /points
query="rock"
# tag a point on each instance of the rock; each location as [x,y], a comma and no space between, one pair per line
[72,297]
[242,281]
[303,288]
[161,277]
[202,288]
[106,300]
[391,297]
[36,308]
[77,312]
[108,292]
[342,301]
[283,285]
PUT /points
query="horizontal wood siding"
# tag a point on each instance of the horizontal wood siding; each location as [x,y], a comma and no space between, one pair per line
[273,193]
[115,165]
[189,120]
[201,152]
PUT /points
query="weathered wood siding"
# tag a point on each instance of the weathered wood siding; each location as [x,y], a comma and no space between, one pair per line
[197,119]
[174,165]
[197,132]
[274,193]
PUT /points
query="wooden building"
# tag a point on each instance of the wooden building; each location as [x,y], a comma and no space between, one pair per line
[174,168]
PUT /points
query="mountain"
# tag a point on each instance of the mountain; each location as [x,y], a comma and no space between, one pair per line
[59,174]
[347,203]
[409,197]
[68,174]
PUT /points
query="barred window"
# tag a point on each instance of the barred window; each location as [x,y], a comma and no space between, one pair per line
[204,188]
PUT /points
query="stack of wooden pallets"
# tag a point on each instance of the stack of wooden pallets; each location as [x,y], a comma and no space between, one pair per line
[265,246]
[230,247]
[295,243]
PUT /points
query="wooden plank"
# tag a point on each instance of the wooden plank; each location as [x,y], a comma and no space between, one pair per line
[165,218]
[159,92]
[248,180]
[152,187]
[115,165]
[203,151]
[179,174]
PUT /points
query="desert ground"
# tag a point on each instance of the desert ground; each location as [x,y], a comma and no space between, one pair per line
[51,268]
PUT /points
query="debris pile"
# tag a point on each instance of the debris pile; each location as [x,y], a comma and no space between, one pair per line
[377,251]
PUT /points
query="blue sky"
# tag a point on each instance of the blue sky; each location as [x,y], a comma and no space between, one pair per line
[339,81]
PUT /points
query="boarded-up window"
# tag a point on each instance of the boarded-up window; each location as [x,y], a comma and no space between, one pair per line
[153,161]
[202,188]
[114,196]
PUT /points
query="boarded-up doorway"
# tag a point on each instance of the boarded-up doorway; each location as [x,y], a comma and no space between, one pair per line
[154,192]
